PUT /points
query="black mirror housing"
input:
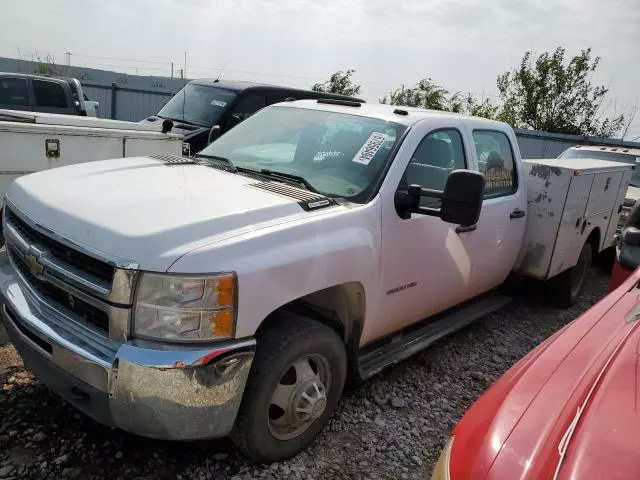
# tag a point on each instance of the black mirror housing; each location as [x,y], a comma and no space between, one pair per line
[462,197]
[461,200]
[167,125]
[629,248]
[631,236]
[234,120]
[214,133]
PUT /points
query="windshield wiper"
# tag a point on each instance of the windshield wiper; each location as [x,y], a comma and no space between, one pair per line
[287,176]
[224,160]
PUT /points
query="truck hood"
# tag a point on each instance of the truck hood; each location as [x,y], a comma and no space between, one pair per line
[576,392]
[146,211]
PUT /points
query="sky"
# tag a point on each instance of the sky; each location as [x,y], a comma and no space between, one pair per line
[461,44]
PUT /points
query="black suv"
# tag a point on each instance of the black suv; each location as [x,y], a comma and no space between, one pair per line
[205,109]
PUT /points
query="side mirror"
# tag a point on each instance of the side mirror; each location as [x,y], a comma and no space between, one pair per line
[461,200]
[234,120]
[631,236]
[167,125]
[214,133]
[629,249]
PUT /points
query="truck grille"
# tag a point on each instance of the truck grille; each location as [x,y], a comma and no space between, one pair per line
[81,287]
[90,314]
[95,267]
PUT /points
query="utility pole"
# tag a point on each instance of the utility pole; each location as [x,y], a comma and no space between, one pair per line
[171,69]
[182,73]
[185,64]
[68,54]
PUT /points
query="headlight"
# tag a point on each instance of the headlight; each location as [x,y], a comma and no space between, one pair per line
[442,472]
[185,308]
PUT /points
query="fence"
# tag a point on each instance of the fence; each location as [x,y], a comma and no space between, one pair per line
[125,103]
[535,144]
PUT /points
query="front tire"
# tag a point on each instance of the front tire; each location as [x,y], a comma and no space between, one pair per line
[567,286]
[294,387]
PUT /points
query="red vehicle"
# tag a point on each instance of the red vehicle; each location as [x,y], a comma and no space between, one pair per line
[567,410]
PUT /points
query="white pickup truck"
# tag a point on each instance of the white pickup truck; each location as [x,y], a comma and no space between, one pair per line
[235,292]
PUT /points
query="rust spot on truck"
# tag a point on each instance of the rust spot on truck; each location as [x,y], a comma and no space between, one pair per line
[541,196]
[545,171]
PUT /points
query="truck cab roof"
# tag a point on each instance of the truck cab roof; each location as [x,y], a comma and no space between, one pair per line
[240,85]
[391,113]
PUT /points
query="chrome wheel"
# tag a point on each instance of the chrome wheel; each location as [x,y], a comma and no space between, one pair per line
[300,397]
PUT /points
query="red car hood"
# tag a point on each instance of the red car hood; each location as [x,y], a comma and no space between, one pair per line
[566,410]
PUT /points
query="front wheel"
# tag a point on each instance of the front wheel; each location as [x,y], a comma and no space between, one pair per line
[567,286]
[295,383]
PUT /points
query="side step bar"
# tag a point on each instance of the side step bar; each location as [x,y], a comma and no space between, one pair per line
[402,346]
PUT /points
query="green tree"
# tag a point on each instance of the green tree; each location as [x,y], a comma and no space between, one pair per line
[46,66]
[425,94]
[341,83]
[428,94]
[555,95]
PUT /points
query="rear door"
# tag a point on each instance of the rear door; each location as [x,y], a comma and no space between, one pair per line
[500,230]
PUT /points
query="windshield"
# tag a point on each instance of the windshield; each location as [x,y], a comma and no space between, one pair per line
[198,104]
[604,155]
[337,154]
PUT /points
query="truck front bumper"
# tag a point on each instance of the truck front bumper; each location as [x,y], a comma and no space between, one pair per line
[155,390]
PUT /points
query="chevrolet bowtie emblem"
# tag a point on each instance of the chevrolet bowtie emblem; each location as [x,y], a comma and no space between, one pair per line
[33,262]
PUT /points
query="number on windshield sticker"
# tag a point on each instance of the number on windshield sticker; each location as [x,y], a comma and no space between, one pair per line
[370,148]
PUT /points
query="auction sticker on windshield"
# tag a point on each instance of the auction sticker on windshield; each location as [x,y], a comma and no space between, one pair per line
[370,148]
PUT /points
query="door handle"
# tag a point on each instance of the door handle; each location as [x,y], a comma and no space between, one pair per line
[469,228]
[517,213]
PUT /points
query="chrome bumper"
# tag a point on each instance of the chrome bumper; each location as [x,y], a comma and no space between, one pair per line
[161,391]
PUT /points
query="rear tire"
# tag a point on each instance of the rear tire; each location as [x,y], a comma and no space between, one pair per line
[566,287]
[294,387]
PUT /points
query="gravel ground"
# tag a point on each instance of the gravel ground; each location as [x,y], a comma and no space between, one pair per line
[392,426]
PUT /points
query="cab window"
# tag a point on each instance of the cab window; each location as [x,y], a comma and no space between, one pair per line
[247,105]
[49,94]
[495,160]
[13,92]
[438,154]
